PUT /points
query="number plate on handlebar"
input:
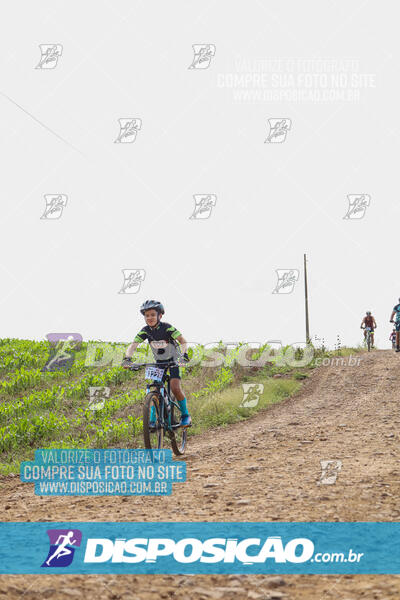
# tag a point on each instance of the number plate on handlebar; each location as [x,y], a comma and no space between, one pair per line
[154,373]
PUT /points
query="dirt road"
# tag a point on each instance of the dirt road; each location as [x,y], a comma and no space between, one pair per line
[264,469]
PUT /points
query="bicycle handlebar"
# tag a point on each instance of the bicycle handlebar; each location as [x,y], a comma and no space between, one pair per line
[137,366]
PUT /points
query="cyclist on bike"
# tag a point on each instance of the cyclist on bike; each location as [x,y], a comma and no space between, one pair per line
[163,339]
[369,321]
[396,311]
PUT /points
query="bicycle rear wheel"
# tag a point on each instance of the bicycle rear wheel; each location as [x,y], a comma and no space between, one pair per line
[369,342]
[154,438]
[178,435]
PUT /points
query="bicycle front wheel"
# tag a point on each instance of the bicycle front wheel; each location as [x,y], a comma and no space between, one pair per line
[153,437]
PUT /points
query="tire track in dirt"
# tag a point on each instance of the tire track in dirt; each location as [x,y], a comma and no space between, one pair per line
[264,469]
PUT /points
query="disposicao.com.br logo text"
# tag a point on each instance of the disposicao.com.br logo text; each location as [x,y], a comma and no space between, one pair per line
[212,550]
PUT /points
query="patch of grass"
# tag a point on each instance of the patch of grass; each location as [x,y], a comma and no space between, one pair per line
[223,408]
[299,375]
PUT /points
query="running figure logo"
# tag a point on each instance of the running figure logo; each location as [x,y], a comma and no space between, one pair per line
[357,205]
[203,205]
[55,204]
[62,350]
[128,129]
[278,129]
[97,397]
[61,551]
[203,54]
[251,394]
[286,281]
[132,280]
[330,470]
[50,53]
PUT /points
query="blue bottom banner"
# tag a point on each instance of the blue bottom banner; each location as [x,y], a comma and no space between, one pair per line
[211,548]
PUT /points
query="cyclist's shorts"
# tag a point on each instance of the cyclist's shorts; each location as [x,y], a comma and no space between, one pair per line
[371,329]
[174,371]
[397,325]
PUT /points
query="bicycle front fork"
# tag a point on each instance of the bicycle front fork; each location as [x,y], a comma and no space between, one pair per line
[167,406]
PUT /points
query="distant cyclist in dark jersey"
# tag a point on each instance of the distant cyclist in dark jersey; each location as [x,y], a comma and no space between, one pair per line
[369,321]
[163,339]
[396,311]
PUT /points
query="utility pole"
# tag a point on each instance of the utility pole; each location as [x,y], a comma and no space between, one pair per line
[306,301]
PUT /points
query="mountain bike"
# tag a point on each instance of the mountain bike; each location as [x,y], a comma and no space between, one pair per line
[167,411]
[393,342]
[368,338]
[394,337]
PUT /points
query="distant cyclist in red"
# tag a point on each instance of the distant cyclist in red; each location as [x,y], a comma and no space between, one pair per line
[369,321]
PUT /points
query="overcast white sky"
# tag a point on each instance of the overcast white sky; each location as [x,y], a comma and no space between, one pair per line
[128,204]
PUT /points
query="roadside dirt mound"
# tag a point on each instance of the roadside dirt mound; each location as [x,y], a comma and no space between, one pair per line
[264,469]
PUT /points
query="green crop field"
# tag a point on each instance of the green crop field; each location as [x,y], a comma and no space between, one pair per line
[52,409]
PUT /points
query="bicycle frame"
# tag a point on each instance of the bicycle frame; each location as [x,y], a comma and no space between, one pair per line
[368,335]
[158,395]
[163,389]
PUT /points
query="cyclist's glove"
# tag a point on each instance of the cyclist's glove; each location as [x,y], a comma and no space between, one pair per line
[186,357]
[127,362]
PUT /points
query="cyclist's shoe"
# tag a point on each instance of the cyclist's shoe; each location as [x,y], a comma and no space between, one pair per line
[152,425]
[185,421]
[397,349]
